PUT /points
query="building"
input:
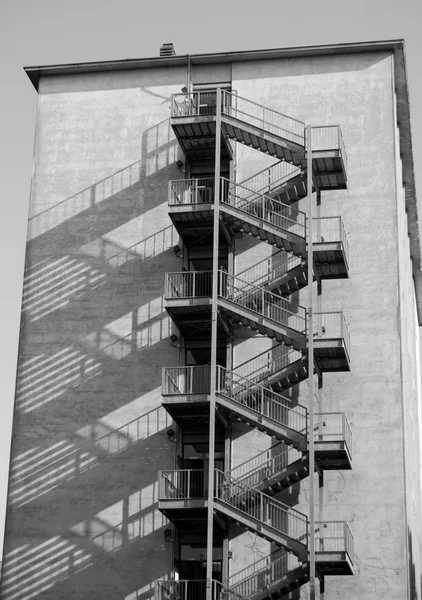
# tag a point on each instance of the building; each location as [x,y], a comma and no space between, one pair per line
[166,302]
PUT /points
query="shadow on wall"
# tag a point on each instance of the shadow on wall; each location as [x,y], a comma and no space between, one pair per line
[64,371]
[82,514]
[124,195]
[40,471]
[91,566]
[52,283]
[84,532]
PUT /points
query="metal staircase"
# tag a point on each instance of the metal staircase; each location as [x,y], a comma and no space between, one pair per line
[283,181]
[256,298]
[262,311]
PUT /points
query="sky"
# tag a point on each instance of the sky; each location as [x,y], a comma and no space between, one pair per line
[46,32]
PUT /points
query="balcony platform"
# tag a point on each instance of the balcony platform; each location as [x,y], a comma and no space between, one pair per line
[333,455]
[331,354]
[196,136]
[333,563]
[330,260]
[329,169]
[195,224]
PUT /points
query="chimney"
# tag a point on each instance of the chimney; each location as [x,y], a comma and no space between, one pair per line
[167,50]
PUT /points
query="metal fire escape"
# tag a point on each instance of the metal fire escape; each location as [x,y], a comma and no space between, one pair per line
[258,300]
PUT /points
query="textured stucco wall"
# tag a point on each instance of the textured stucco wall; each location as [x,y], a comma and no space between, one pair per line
[356,92]
[89,431]
[89,434]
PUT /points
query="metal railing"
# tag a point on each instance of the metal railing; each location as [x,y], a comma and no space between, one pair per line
[266,464]
[261,400]
[263,207]
[271,177]
[328,137]
[324,137]
[260,507]
[333,427]
[271,268]
[191,191]
[188,284]
[265,118]
[193,589]
[268,362]
[332,325]
[260,301]
[263,572]
[329,427]
[186,380]
[187,484]
[182,484]
[193,104]
[331,229]
[334,536]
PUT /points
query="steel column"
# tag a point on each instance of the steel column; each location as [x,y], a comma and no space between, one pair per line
[213,386]
[311,441]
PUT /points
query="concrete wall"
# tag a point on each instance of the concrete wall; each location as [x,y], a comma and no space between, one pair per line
[89,433]
[89,430]
[356,92]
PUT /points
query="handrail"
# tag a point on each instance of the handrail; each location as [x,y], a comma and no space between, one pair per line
[268,362]
[334,536]
[329,230]
[263,572]
[258,505]
[329,427]
[272,177]
[261,400]
[265,464]
[188,380]
[332,325]
[193,589]
[265,271]
[262,302]
[265,118]
[188,284]
[181,484]
[263,207]
[191,191]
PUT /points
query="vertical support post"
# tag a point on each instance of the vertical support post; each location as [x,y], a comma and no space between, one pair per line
[210,525]
[311,441]
[227,458]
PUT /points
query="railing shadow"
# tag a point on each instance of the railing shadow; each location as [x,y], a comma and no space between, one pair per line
[61,377]
[110,202]
[72,565]
[40,471]
[52,284]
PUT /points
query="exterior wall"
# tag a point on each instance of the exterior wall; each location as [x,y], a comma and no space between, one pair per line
[89,430]
[356,92]
[410,364]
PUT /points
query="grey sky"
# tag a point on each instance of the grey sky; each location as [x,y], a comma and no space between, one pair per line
[53,31]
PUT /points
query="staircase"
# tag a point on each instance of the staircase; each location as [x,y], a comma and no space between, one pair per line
[260,206]
[270,577]
[279,367]
[283,182]
[281,273]
[273,470]
[262,408]
[263,217]
[262,311]
[265,516]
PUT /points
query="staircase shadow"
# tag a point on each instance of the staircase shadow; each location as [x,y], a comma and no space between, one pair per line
[110,202]
[76,480]
[77,384]
[57,284]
